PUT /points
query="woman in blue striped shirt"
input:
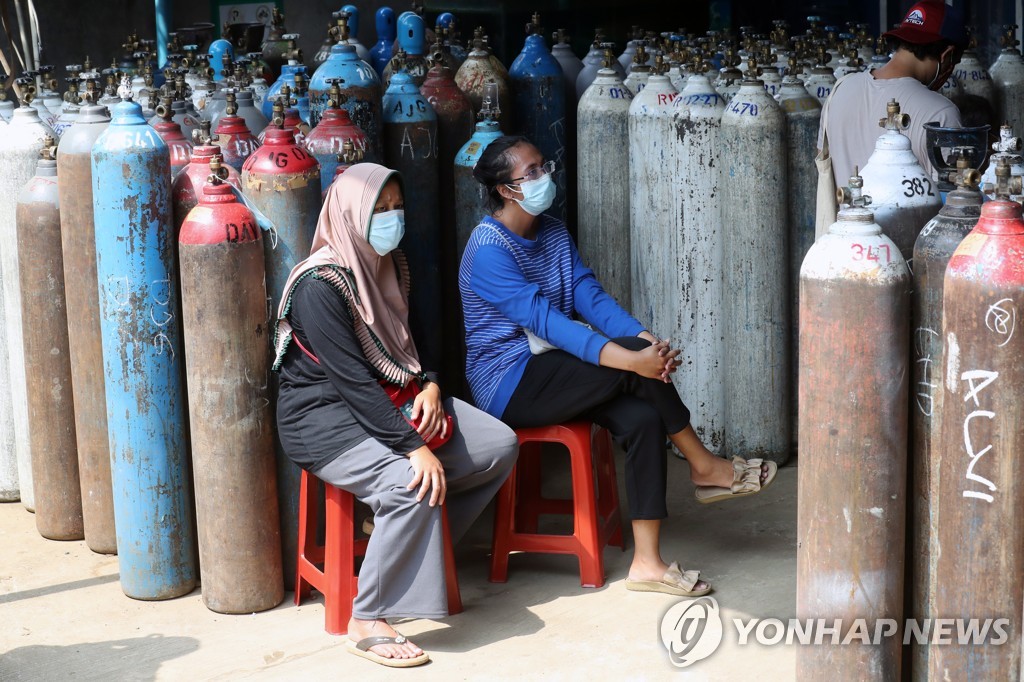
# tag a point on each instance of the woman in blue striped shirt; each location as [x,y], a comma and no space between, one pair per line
[529,363]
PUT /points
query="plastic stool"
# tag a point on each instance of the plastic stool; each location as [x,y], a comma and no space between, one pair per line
[338,581]
[596,517]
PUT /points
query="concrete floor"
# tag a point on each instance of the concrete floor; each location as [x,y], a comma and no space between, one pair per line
[64,615]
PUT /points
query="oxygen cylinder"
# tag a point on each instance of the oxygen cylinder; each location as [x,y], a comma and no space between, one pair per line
[592,63]
[691,307]
[188,185]
[979,556]
[20,145]
[51,411]
[224,311]
[474,75]
[456,50]
[326,140]
[135,269]
[729,77]
[540,105]
[571,65]
[650,199]
[803,115]
[854,333]
[769,76]
[952,89]
[218,48]
[819,83]
[179,115]
[757,300]
[282,181]
[470,204]
[627,58]
[362,90]
[932,251]
[411,41]
[69,112]
[179,147]
[640,73]
[410,147]
[353,28]
[78,236]
[233,136]
[287,77]
[254,119]
[380,53]
[973,75]
[454,127]
[602,164]
[7,107]
[275,47]
[1008,81]
[1009,147]
[345,159]
[902,191]
[291,121]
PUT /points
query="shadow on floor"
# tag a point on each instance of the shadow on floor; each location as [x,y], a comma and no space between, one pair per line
[62,587]
[94,660]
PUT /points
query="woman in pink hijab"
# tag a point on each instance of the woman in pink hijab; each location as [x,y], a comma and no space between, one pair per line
[343,346]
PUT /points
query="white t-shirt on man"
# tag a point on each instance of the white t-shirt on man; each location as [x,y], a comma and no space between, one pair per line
[857,103]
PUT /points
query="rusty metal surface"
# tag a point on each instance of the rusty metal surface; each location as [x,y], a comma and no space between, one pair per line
[980,529]
[854,331]
[226,340]
[47,363]
[189,182]
[932,251]
[235,140]
[78,236]
[472,77]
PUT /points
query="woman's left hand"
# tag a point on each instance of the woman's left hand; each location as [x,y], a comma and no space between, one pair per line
[428,409]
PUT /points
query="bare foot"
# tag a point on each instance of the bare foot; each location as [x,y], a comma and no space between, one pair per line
[720,473]
[641,570]
[361,629]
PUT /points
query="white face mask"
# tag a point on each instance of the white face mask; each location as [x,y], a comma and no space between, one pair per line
[386,231]
[538,195]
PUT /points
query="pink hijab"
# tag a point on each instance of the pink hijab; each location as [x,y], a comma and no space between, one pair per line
[341,240]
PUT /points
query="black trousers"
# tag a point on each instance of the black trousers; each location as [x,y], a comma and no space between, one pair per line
[638,412]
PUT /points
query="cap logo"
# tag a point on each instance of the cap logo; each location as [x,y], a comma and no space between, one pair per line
[916,17]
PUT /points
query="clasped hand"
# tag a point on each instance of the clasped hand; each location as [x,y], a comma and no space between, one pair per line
[428,474]
[657,361]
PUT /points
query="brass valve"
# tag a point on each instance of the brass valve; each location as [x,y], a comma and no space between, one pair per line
[340,31]
[560,37]
[201,136]
[335,97]
[534,27]
[894,120]
[853,195]
[1009,38]
[1007,184]
[640,57]
[231,106]
[164,109]
[349,154]
[49,150]
[609,56]
[218,173]
[964,176]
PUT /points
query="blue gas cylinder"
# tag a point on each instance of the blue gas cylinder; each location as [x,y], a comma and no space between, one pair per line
[288,72]
[353,31]
[216,52]
[470,204]
[410,147]
[360,85]
[412,40]
[458,52]
[380,53]
[539,96]
[142,357]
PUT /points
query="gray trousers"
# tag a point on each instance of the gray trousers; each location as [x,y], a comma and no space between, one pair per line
[402,575]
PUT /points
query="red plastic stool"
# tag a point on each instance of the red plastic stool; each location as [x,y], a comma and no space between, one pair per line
[338,581]
[596,517]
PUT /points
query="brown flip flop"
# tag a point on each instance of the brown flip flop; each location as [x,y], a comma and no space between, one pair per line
[746,481]
[362,649]
[675,582]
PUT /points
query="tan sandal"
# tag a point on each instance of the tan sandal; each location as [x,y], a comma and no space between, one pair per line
[746,481]
[675,582]
[362,649]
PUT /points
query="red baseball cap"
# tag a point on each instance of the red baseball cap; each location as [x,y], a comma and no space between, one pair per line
[929,22]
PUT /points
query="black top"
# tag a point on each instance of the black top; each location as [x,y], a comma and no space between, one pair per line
[324,410]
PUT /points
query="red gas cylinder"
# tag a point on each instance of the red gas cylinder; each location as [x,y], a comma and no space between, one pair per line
[233,136]
[189,182]
[979,564]
[224,314]
[282,180]
[348,157]
[326,141]
[178,145]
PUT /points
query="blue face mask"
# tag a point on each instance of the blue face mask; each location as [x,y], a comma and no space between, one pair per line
[538,194]
[386,231]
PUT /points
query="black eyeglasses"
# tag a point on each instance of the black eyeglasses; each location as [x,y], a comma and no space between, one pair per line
[547,169]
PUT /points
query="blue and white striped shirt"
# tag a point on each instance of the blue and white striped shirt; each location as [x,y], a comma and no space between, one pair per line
[508,284]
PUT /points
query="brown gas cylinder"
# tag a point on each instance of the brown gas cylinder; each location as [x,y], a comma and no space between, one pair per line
[282,180]
[177,144]
[51,413]
[979,563]
[236,141]
[854,336]
[932,251]
[78,236]
[224,313]
[473,76]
